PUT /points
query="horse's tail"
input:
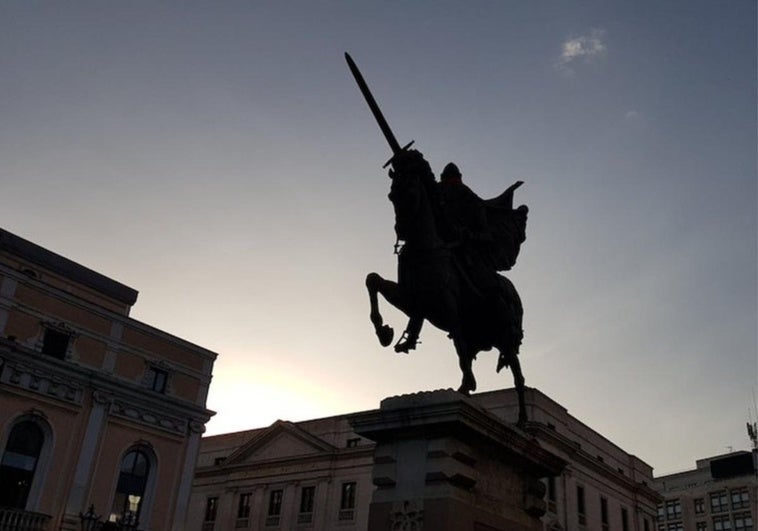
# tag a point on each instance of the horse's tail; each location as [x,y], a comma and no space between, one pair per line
[510,316]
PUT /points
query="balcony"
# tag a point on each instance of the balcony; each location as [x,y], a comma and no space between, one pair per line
[18,520]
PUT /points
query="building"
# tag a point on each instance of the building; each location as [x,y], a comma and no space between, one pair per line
[719,494]
[96,408]
[316,475]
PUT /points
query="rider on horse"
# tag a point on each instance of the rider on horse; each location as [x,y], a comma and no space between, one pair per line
[484,236]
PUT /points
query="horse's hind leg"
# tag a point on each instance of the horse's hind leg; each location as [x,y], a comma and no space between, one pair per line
[518,380]
[465,362]
[376,284]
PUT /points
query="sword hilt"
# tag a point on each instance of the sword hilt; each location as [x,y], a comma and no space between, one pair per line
[402,149]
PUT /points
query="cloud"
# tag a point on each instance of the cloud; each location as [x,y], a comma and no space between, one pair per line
[585,48]
[631,115]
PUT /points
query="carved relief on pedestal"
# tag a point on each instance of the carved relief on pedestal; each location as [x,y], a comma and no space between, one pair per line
[407,515]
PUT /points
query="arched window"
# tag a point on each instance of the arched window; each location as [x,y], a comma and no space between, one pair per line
[19,463]
[132,482]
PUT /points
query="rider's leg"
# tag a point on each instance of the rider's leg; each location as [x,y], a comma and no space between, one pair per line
[410,336]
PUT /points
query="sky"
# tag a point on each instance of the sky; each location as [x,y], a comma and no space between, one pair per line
[219,158]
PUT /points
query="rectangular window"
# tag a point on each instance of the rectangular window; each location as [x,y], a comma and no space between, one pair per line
[647,524]
[701,526]
[55,343]
[673,509]
[743,522]
[625,519]
[699,506]
[661,512]
[352,443]
[307,495]
[604,513]
[156,380]
[551,496]
[211,507]
[719,502]
[580,506]
[347,501]
[275,502]
[274,507]
[722,523]
[243,507]
[740,499]
[676,526]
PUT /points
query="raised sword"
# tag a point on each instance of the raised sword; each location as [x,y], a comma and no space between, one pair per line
[375,110]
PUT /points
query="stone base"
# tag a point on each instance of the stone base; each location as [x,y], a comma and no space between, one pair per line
[443,463]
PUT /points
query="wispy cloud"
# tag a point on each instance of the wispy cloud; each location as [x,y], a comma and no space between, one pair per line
[584,48]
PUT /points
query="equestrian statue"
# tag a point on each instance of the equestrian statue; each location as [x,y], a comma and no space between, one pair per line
[451,246]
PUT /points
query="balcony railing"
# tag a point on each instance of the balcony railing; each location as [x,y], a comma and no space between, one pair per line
[18,520]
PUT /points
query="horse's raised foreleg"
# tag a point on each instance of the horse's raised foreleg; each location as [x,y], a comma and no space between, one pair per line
[376,284]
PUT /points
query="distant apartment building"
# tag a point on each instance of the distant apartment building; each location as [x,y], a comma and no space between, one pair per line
[719,494]
[316,475]
[96,408]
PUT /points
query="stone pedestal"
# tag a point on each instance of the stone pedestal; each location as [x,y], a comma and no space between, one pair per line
[443,463]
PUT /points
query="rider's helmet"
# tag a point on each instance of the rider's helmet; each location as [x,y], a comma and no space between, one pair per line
[451,171]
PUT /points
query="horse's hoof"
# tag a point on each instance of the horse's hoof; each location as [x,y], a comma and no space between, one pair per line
[465,390]
[385,335]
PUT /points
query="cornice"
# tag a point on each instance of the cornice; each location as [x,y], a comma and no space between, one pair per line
[24,368]
[578,456]
[102,312]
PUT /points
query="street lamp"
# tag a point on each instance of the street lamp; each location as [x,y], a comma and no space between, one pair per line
[90,521]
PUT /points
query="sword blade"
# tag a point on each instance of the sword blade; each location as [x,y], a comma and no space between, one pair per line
[375,110]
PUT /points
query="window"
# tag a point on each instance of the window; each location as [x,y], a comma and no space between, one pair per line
[307,495]
[740,498]
[19,463]
[274,507]
[625,520]
[743,522]
[211,508]
[551,496]
[661,512]
[699,506]
[130,489]
[218,461]
[701,526]
[604,513]
[347,501]
[647,524]
[156,379]
[243,510]
[673,509]
[352,443]
[722,523]
[718,502]
[676,526]
[55,343]
[580,506]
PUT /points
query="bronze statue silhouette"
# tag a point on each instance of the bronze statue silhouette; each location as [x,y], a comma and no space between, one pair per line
[451,245]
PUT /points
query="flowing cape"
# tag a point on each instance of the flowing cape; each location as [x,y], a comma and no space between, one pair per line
[508,229]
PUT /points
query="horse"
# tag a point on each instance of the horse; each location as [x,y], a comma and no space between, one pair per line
[434,284]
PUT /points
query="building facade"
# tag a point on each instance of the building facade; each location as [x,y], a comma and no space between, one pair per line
[96,408]
[316,475]
[719,494]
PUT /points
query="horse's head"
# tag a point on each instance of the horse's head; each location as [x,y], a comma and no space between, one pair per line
[413,193]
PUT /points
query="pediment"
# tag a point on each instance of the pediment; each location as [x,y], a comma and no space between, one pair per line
[281,440]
